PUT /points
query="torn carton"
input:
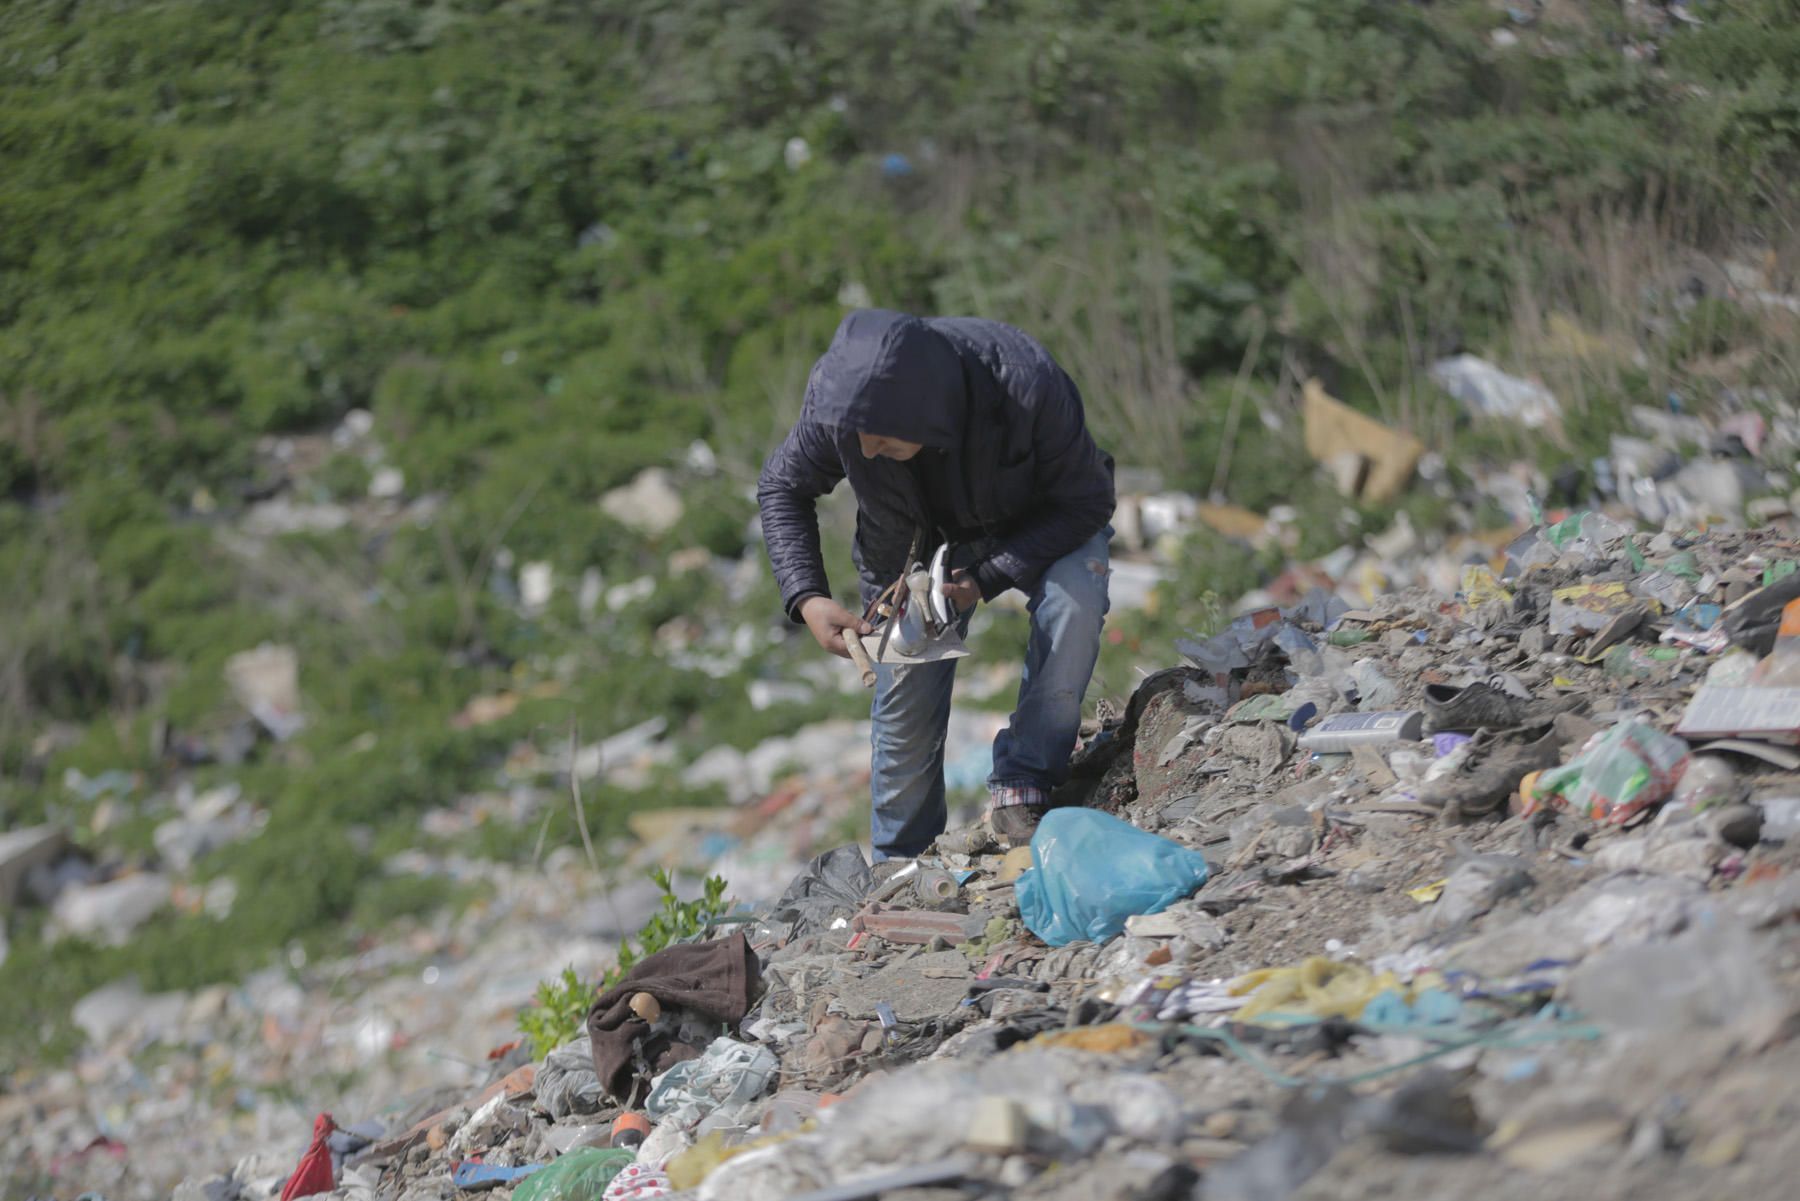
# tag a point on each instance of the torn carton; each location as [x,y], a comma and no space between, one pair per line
[1371,462]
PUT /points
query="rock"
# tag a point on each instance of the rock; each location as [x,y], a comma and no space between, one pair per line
[25,849]
[1165,715]
[998,1126]
[494,1124]
[1475,887]
[649,504]
[1739,825]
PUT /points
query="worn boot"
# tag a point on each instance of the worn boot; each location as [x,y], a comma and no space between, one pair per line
[1483,786]
[1015,824]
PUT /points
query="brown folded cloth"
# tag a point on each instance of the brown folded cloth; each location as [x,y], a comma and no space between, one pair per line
[713,979]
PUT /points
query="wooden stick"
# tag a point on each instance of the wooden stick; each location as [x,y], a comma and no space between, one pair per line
[859,655]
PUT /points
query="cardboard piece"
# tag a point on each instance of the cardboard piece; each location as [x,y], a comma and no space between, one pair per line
[1773,755]
[1371,462]
[1768,714]
[1233,521]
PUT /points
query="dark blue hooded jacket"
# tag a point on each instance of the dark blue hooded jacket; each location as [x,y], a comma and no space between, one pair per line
[1025,483]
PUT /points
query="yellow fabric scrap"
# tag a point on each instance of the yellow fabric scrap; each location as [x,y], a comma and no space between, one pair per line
[691,1167]
[1425,894]
[1317,987]
[1110,1039]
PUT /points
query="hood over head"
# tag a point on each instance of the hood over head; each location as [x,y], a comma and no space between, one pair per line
[891,375]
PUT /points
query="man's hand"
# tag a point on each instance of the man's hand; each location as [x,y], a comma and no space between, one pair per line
[828,620]
[963,591]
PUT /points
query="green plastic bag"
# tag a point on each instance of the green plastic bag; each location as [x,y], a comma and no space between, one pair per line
[578,1176]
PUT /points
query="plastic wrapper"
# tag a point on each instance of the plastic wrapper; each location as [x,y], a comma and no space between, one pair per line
[637,1182]
[1527,551]
[729,1073]
[1618,774]
[1374,691]
[1781,818]
[567,1083]
[1708,782]
[832,885]
[1480,585]
[1588,608]
[1319,607]
[578,1176]
[1090,871]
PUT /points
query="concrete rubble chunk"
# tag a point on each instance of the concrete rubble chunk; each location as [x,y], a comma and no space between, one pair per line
[22,850]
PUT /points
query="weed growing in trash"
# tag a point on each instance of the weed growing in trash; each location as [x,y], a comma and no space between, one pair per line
[561,1004]
[559,1008]
[676,921]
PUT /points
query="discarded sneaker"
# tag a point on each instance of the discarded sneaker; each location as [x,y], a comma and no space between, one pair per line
[1482,788]
[1015,824]
[1481,706]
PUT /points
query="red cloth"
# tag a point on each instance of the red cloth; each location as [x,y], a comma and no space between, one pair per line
[314,1173]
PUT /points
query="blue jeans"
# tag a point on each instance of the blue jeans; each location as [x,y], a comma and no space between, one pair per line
[912,709]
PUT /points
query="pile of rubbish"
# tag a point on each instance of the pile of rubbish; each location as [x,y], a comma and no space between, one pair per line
[1484,892]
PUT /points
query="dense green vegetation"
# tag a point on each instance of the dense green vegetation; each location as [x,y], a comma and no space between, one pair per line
[550,242]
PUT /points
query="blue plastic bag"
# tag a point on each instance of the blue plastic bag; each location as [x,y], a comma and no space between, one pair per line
[1089,872]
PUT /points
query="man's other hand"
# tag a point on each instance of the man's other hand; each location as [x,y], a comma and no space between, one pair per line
[828,620]
[963,591]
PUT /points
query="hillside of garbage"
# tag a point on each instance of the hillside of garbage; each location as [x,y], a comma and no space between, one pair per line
[389,664]
[1400,891]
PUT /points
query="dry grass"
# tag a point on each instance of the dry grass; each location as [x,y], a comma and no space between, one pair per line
[55,642]
[1608,290]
